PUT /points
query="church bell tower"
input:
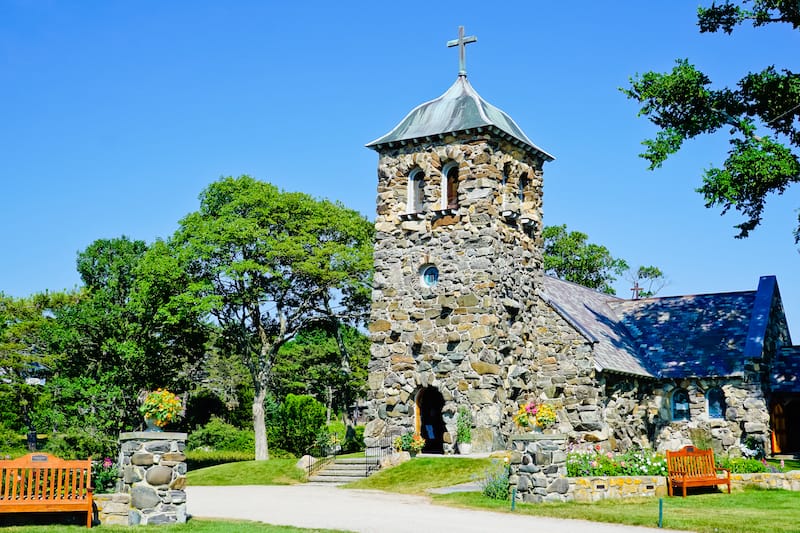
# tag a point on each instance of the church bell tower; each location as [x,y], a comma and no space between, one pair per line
[458,263]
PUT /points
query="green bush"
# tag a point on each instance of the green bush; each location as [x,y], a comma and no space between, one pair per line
[11,443]
[197,459]
[494,483]
[298,422]
[81,443]
[221,436]
[741,465]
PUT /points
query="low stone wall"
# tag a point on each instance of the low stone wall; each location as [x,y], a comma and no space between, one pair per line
[153,468]
[538,467]
[592,489]
[783,480]
[112,509]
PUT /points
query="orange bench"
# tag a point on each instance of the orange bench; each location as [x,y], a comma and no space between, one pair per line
[690,467]
[39,482]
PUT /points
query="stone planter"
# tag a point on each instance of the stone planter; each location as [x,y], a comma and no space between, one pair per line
[464,448]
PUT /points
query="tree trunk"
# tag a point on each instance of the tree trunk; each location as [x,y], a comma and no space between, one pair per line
[259,423]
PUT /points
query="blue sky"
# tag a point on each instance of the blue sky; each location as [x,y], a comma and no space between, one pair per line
[115,115]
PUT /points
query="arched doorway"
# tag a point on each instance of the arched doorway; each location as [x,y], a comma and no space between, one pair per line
[785,424]
[429,416]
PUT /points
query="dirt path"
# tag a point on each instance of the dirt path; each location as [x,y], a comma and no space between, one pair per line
[364,511]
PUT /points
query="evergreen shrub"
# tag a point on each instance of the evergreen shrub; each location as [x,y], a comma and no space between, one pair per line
[298,423]
[220,436]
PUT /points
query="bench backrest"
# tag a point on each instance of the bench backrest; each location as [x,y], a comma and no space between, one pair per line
[691,461]
[42,476]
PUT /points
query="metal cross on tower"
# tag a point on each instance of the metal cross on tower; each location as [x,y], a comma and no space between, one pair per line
[462,42]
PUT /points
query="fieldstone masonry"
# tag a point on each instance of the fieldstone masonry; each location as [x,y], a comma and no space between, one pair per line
[153,471]
[538,468]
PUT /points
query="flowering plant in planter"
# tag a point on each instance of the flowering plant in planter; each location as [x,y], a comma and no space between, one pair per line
[162,407]
[534,414]
[409,442]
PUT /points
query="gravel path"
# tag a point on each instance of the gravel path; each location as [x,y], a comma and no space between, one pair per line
[366,511]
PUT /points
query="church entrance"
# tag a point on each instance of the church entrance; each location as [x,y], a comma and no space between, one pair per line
[785,422]
[429,416]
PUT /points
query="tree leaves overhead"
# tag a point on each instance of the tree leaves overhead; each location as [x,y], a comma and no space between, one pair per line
[568,256]
[760,114]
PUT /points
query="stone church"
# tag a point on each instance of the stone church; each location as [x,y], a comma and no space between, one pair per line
[464,315]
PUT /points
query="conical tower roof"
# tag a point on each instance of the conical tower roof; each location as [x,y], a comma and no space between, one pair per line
[459,109]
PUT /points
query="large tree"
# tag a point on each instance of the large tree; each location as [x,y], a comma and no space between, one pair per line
[761,112]
[266,264]
[568,255]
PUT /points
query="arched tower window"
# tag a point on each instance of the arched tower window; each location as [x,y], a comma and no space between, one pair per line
[715,399]
[450,187]
[416,192]
[680,405]
[523,186]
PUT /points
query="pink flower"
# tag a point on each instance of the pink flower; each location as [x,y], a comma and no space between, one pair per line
[622,464]
[783,465]
[597,447]
[594,464]
[609,455]
[107,462]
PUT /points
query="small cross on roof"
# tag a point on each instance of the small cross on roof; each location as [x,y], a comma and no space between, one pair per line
[462,42]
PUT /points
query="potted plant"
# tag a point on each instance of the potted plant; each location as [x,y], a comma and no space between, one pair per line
[159,408]
[533,415]
[413,443]
[464,431]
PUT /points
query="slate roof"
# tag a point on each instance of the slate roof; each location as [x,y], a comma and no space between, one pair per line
[589,312]
[666,337]
[681,336]
[459,109]
[785,373]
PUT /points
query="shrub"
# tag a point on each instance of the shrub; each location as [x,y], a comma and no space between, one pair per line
[104,476]
[742,465]
[634,462]
[464,426]
[297,424]
[221,436]
[196,459]
[81,443]
[11,443]
[494,483]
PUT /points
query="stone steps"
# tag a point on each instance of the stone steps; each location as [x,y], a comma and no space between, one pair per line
[343,470]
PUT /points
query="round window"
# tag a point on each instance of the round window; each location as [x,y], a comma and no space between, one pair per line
[430,276]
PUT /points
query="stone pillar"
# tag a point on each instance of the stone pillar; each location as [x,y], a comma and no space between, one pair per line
[539,467]
[154,475]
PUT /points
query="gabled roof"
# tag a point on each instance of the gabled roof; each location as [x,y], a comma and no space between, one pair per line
[591,313]
[460,109]
[671,337]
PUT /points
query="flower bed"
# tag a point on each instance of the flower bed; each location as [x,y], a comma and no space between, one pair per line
[594,462]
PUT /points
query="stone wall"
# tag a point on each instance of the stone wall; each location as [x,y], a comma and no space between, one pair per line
[596,488]
[780,480]
[112,509]
[481,336]
[538,468]
[639,413]
[154,476]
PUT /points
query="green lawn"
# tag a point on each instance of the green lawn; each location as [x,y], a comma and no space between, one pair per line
[417,475]
[751,511]
[272,472]
[192,526]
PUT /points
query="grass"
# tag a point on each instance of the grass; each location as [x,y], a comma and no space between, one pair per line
[272,472]
[192,526]
[750,511]
[422,473]
[789,464]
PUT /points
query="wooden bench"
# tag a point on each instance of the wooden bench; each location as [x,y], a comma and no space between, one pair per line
[39,482]
[690,467]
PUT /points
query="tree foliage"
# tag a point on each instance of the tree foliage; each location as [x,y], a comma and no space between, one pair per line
[265,264]
[761,112]
[568,256]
